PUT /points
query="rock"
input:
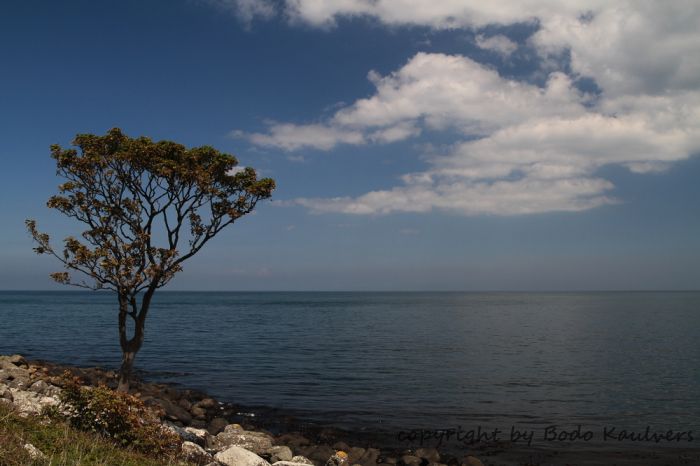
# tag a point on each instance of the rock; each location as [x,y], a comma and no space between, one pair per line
[207,403]
[235,435]
[301,460]
[6,393]
[472,461]
[173,411]
[34,452]
[17,360]
[292,463]
[386,460]
[200,434]
[279,453]
[184,403]
[218,424]
[355,453]
[195,454]
[342,446]
[369,458]
[429,454]
[237,456]
[39,387]
[340,458]
[293,440]
[321,454]
[199,413]
[410,460]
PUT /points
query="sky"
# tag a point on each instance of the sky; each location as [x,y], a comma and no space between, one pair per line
[454,145]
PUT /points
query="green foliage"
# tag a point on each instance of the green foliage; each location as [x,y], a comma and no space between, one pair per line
[115,415]
[130,192]
[63,445]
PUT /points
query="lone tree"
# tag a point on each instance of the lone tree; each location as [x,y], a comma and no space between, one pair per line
[148,207]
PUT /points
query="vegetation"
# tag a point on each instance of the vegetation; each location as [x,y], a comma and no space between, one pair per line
[63,445]
[115,415]
[148,207]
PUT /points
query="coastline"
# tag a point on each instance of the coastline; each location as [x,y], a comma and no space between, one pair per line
[195,410]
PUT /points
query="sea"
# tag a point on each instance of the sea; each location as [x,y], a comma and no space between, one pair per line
[402,363]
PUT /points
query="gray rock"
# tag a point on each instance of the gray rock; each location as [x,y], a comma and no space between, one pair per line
[173,411]
[301,460]
[237,456]
[235,435]
[200,434]
[370,457]
[39,387]
[279,453]
[6,393]
[473,461]
[184,403]
[292,463]
[429,454]
[199,413]
[207,403]
[321,454]
[293,440]
[17,360]
[410,460]
[195,454]
[218,424]
[34,452]
[355,453]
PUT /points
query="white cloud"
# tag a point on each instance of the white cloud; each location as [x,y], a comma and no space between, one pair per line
[525,149]
[498,43]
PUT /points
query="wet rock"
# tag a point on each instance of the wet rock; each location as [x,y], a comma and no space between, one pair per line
[195,454]
[218,424]
[199,413]
[293,440]
[235,435]
[173,411]
[321,454]
[355,453]
[472,461]
[429,454]
[370,457]
[207,403]
[184,403]
[279,453]
[342,446]
[410,460]
[237,456]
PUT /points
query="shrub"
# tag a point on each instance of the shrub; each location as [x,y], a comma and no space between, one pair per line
[116,415]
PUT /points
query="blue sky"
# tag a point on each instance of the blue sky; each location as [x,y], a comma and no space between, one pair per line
[536,146]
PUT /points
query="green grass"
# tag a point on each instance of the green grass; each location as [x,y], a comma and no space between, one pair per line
[62,445]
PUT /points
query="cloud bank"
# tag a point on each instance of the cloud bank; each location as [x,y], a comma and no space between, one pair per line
[524,148]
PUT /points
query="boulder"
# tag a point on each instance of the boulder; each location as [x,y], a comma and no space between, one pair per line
[294,440]
[370,457]
[34,452]
[292,463]
[200,434]
[321,454]
[17,360]
[301,460]
[195,454]
[207,403]
[355,453]
[173,411]
[235,435]
[472,461]
[6,393]
[279,453]
[39,386]
[429,454]
[198,412]
[410,460]
[237,456]
[218,424]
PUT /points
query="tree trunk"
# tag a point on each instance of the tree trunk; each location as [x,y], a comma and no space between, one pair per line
[130,346]
[125,371]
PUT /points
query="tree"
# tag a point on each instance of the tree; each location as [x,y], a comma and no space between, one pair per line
[148,207]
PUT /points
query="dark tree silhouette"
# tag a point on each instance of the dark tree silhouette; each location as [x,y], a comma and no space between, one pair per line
[148,207]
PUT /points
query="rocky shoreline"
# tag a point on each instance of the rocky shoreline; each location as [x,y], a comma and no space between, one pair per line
[218,433]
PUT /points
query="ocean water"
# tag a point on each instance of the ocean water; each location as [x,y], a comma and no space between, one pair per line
[396,362]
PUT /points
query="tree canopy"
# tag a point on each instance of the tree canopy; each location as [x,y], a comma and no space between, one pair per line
[147,207]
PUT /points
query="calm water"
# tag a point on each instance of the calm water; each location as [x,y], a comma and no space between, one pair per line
[399,361]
